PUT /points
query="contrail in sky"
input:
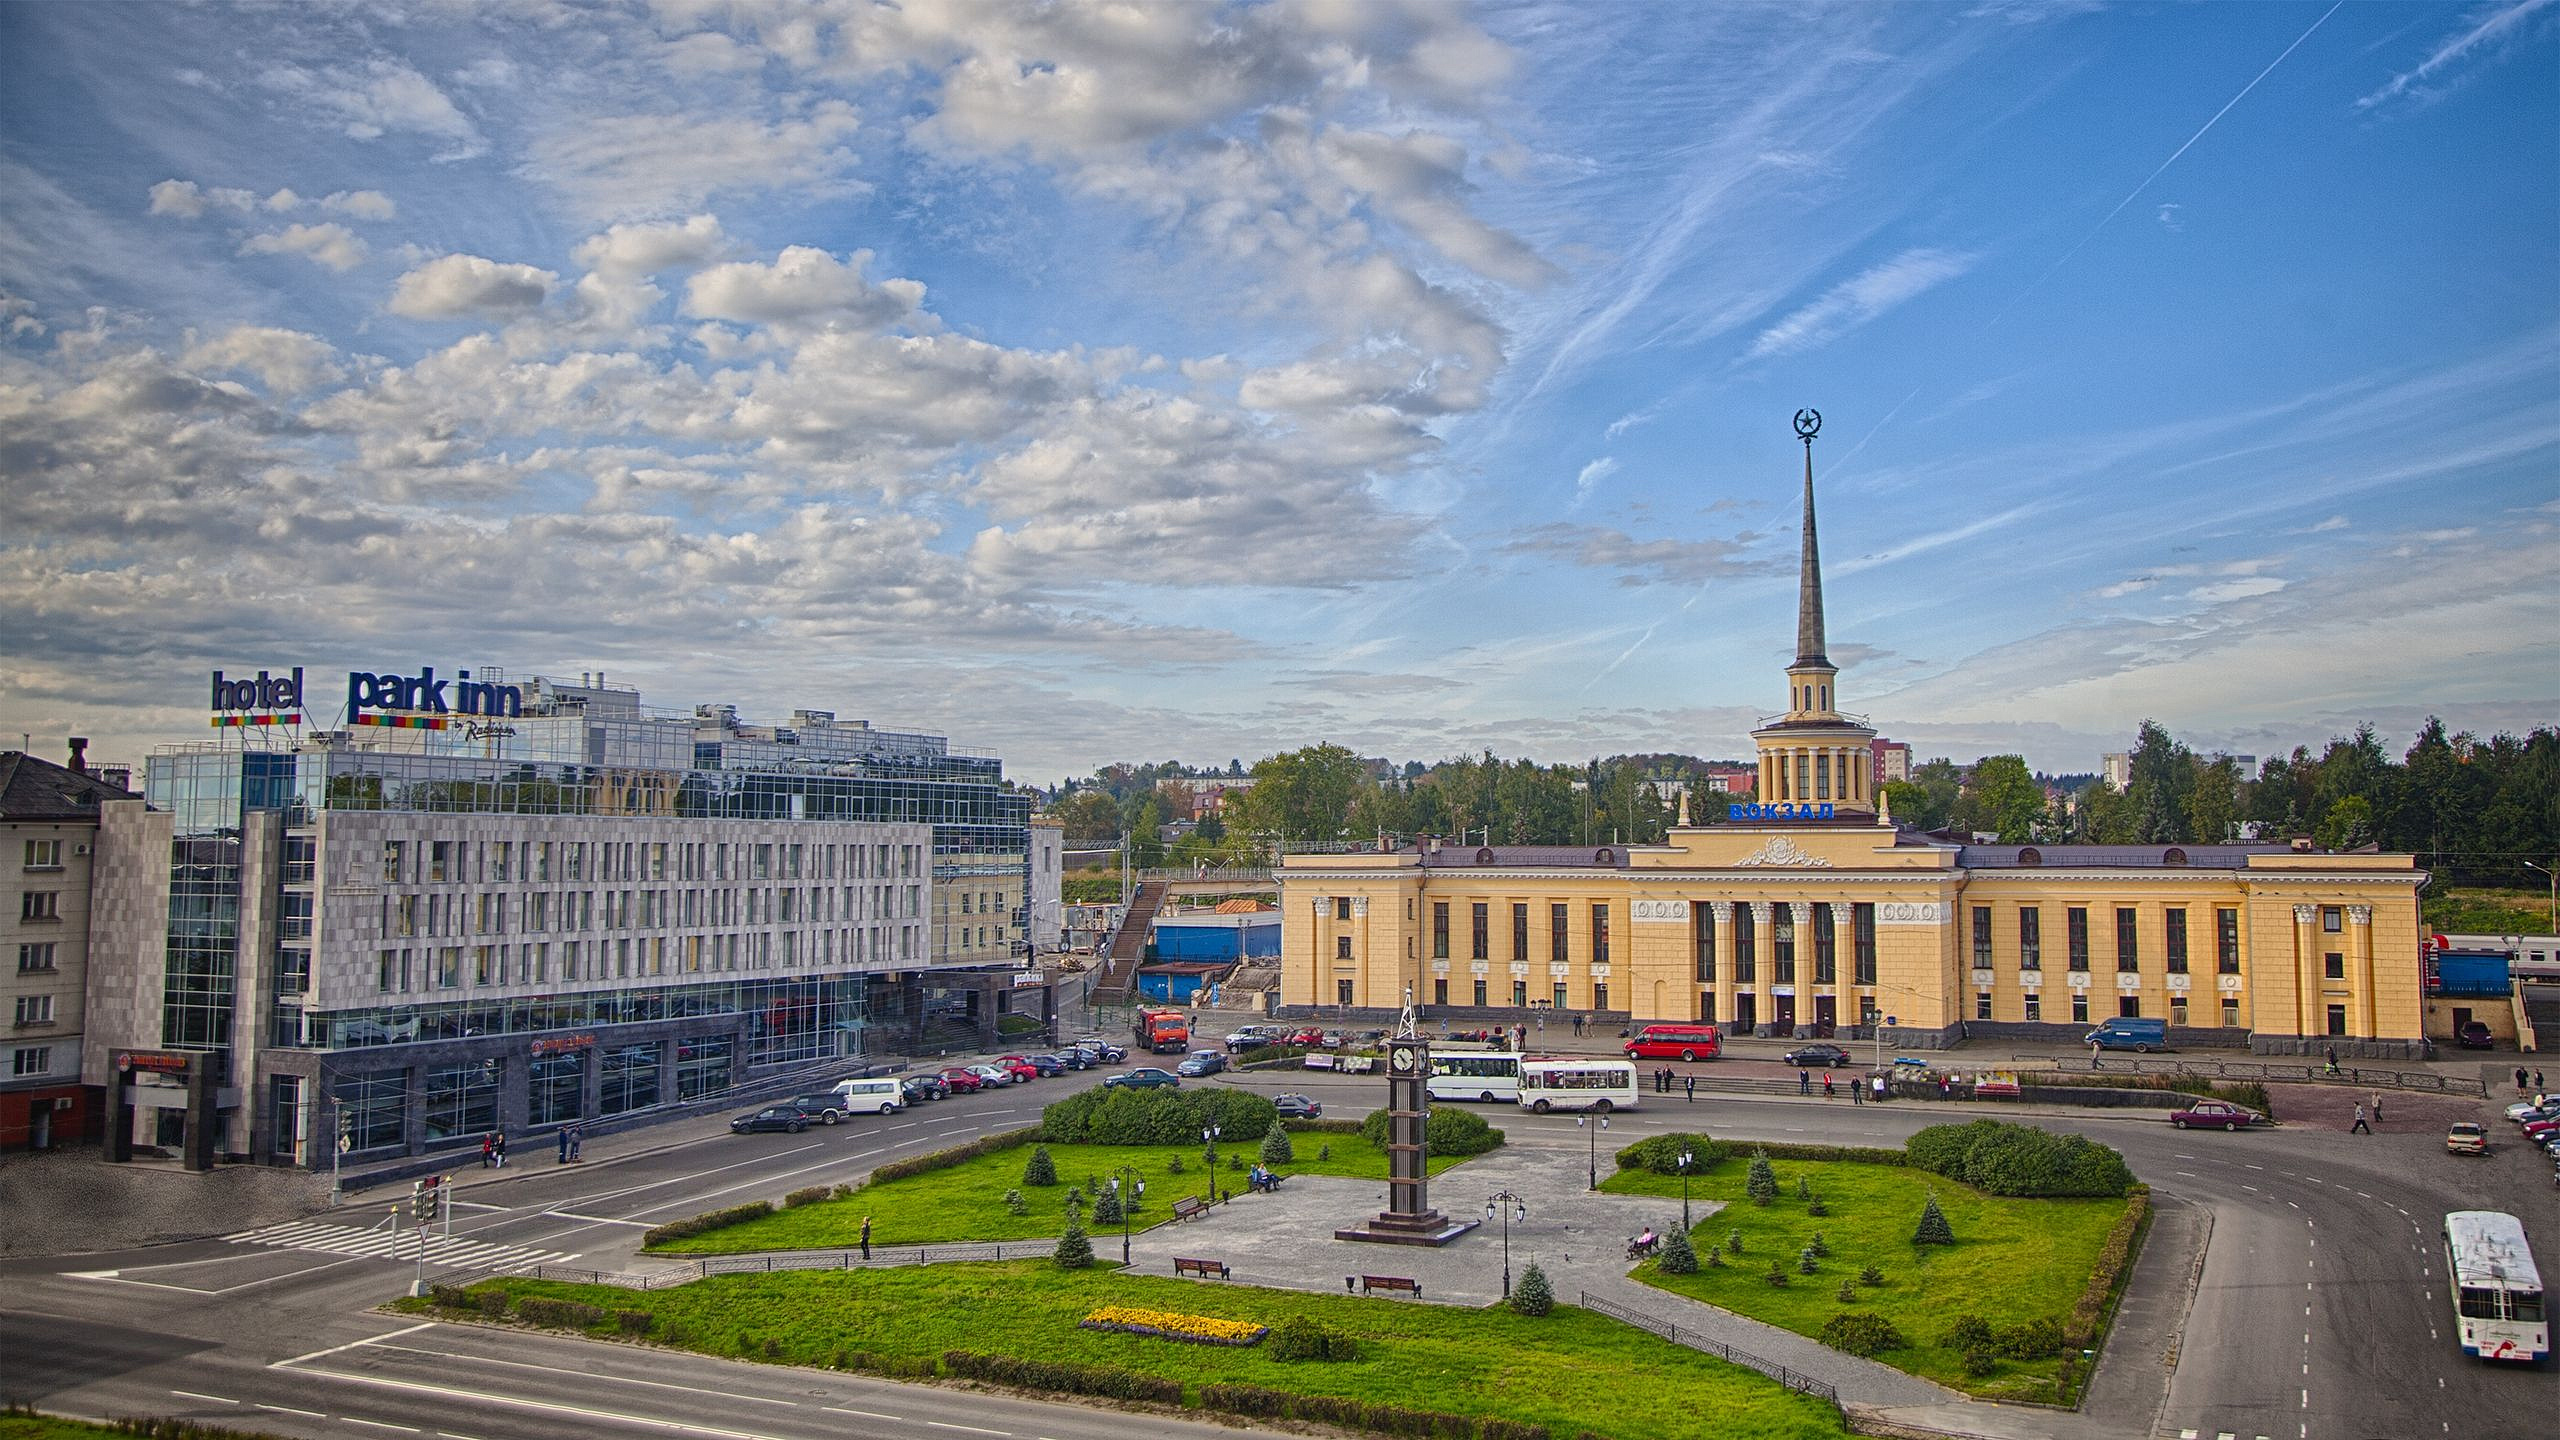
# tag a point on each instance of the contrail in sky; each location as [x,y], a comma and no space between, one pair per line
[2137,190]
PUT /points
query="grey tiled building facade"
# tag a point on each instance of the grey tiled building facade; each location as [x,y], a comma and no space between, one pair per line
[391,941]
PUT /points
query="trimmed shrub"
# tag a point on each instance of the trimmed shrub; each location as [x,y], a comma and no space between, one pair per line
[566,1314]
[1074,1251]
[451,1297]
[1276,1149]
[1157,1116]
[2001,1158]
[1980,1362]
[1762,1185]
[1355,1414]
[2037,1339]
[1861,1332]
[1968,1332]
[1857,1154]
[2114,1258]
[1109,1382]
[708,1220]
[1301,1338]
[1679,1257]
[1661,1154]
[1934,1229]
[634,1322]
[808,1195]
[1450,1131]
[1040,1169]
[1533,1296]
[955,1155]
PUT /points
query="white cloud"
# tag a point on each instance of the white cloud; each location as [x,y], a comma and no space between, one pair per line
[2169,218]
[2334,522]
[285,361]
[1854,302]
[1643,562]
[642,249]
[329,244]
[2245,588]
[362,204]
[1592,474]
[282,201]
[610,167]
[2487,26]
[801,285]
[177,197]
[377,97]
[456,285]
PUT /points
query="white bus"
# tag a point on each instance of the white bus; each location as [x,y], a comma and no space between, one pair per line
[2497,1294]
[1493,1077]
[1569,1082]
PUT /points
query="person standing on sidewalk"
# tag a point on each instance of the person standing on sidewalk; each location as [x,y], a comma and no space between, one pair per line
[488,1149]
[2377,1107]
[1804,1082]
[577,1140]
[1691,1082]
[1857,1091]
[1827,1091]
[564,1146]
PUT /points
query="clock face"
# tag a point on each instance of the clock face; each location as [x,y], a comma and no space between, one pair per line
[1401,1057]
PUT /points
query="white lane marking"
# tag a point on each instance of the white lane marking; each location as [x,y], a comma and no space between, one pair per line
[113,1278]
[595,1219]
[381,1424]
[548,1407]
[2190,1174]
[616,1194]
[216,1399]
[449,1435]
[353,1344]
[289,1410]
[970,1429]
[584,1374]
[865,1414]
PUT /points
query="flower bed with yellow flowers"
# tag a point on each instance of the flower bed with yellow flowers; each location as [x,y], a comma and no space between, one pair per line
[1170,1325]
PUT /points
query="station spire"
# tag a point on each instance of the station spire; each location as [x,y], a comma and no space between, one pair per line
[1810,649]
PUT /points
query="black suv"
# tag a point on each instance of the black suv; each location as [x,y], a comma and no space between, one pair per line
[825,1107]
[917,1088]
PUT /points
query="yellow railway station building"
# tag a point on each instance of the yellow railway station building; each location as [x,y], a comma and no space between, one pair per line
[1812,914]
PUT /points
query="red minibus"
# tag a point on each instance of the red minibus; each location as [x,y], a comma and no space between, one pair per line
[1683,1042]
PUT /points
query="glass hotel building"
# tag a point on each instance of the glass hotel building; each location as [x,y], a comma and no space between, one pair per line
[391,938]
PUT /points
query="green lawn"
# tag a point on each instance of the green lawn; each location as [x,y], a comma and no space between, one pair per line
[1571,1371]
[966,1202]
[2013,1260]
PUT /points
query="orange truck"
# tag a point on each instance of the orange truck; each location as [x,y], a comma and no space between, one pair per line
[1163,1031]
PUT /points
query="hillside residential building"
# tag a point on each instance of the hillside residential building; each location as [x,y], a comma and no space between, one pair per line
[48,838]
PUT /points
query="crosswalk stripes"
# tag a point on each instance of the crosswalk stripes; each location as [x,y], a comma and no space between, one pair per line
[2193,1434]
[449,1252]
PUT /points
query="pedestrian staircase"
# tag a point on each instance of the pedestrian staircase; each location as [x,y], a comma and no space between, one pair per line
[444,1252]
[1118,983]
[2542,1011]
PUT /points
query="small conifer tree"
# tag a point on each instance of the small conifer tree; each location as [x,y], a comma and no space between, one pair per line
[1014,1204]
[1805,1262]
[1040,1169]
[1075,1252]
[1934,1229]
[1848,1292]
[1678,1256]
[1777,1276]
[1871,1275]
[1818,1245]
[1804,1188]
[1106,1206]
[1533,1296]
[1276,1149]
[1324,1151]
[1733,1241]
[1762,1186]
[1075,1203]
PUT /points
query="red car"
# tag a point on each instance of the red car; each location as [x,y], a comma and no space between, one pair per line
[962,1082]
[1019,1068]
[2214,1114]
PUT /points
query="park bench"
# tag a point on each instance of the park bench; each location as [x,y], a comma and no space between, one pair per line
[1390,1282]
[1190,1207]
[1202,1268]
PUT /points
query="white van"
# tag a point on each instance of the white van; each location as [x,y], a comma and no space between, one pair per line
[871,1097]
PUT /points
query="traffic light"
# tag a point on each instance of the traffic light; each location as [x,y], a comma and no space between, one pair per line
[423,1197]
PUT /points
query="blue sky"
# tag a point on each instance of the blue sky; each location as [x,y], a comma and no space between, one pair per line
[1154,381]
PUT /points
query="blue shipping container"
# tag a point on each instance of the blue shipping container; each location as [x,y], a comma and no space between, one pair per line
[2472,972]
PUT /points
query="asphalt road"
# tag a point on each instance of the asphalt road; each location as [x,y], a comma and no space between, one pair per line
[2321,1310]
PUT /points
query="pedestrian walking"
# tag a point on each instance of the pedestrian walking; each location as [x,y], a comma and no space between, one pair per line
[2093,1054]
[2333,1059]
[866,1237]
[2359,1125]
[1691,1082]
[488,1149]
[564,1146]
[1804,1082]
[502,1149]
[1827,1092]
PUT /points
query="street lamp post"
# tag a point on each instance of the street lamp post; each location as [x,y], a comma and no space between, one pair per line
[1209,1137]
[1684,1187]
[1136,1194]
[1506,1204]
[2548,874]
[1584,1122]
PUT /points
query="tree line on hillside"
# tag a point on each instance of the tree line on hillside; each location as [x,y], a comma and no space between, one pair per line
[2475,809]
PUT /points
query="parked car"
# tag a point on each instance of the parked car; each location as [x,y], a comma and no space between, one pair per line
[2534,1130]
[992,1075]
[1140,1078]
[963,1081]
[918,1088]
[787,1118]
[2525,1110]
[1019,1067]
[1817,1057]
[2466,1138]
[1210,1062]
[2474,1035]
[1297,1107]
[1102,1050]
[1047,1064]
[1312,1039]
[1253,1037]
[2214,1114]
[1073,1059]
[826,1106]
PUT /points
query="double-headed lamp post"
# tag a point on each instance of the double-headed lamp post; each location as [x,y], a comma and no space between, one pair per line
[1685,1157]
[2554,877]
[1136,1192]
[1209,1136]
[1595,1124]
[1509,1207]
